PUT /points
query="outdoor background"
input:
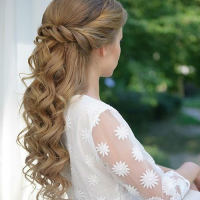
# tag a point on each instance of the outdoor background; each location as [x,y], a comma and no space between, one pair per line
[155,87]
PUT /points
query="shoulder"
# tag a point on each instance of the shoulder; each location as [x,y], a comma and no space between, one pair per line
[89,104]
[90,107]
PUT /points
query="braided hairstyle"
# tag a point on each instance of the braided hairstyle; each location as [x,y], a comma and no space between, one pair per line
[59,64]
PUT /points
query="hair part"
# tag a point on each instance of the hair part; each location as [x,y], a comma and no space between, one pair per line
[59,63]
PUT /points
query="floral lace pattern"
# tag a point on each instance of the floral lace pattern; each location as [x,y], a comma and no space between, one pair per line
[136,153]
[104,153]
[149,179]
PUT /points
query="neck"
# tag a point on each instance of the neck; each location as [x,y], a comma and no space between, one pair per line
[93,89]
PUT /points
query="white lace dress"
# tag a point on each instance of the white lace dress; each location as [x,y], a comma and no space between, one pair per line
[107,162]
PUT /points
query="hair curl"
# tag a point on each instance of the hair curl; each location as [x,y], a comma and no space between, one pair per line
[59,63]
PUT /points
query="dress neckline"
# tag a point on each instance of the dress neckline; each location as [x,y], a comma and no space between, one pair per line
[76,95]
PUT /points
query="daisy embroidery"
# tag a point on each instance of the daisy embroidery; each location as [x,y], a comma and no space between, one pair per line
[85,135]
[169,185]
[137,154]
[95,121]
[131,189]
[155,198]
[78,194]
[90,161]
[149,179]
[121,169]
[103,149]
[94,179]
[92,109]
[121,132]
[68,120]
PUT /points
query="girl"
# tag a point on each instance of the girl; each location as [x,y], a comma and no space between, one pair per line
[76,143]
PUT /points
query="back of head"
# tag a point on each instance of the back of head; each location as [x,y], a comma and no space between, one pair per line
[70,30]
[88,23]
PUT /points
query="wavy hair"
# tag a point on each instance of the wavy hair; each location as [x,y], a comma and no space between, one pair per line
[59,65]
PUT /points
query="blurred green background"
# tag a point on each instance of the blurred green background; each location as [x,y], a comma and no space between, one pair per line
[156,85]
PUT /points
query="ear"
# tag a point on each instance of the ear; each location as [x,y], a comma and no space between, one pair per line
[103,51]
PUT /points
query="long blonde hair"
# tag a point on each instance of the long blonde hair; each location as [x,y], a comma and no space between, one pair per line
[59,64]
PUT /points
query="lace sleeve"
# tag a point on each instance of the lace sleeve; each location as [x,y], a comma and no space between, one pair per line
[126,159]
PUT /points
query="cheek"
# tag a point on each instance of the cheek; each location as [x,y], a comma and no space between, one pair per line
[115,53]
[118,51]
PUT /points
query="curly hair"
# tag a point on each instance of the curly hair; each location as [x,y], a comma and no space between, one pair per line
[59,66]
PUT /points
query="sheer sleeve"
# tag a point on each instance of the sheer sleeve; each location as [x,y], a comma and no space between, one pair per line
[128,162]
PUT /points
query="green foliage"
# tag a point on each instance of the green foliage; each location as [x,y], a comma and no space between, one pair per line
[167,105]
[192,102]
[159,37]
[136,111]
[187,120]
[172,143]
